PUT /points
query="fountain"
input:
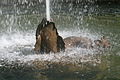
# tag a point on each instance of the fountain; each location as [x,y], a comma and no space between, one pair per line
[17,30]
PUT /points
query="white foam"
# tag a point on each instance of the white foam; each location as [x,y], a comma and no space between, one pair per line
[16,39]
[19,47]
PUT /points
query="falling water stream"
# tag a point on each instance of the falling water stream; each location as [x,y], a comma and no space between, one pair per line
[19,20]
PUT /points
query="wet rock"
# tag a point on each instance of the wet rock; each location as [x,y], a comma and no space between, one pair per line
[74,41]
[103,42]
[47,38]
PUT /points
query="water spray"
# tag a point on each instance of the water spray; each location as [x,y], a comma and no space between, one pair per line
[48,10]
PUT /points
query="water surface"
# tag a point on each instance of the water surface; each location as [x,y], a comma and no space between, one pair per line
[17,37]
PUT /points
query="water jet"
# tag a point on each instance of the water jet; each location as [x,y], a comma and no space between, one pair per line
[48,10]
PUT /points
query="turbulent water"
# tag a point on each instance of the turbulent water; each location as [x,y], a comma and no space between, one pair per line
[18,61]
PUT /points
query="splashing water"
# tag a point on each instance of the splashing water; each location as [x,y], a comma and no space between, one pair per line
[17,38]
[16,45]
[48,9]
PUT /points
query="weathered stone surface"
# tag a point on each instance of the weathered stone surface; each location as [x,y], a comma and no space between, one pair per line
[74,41]
[47,38]
[103,42]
